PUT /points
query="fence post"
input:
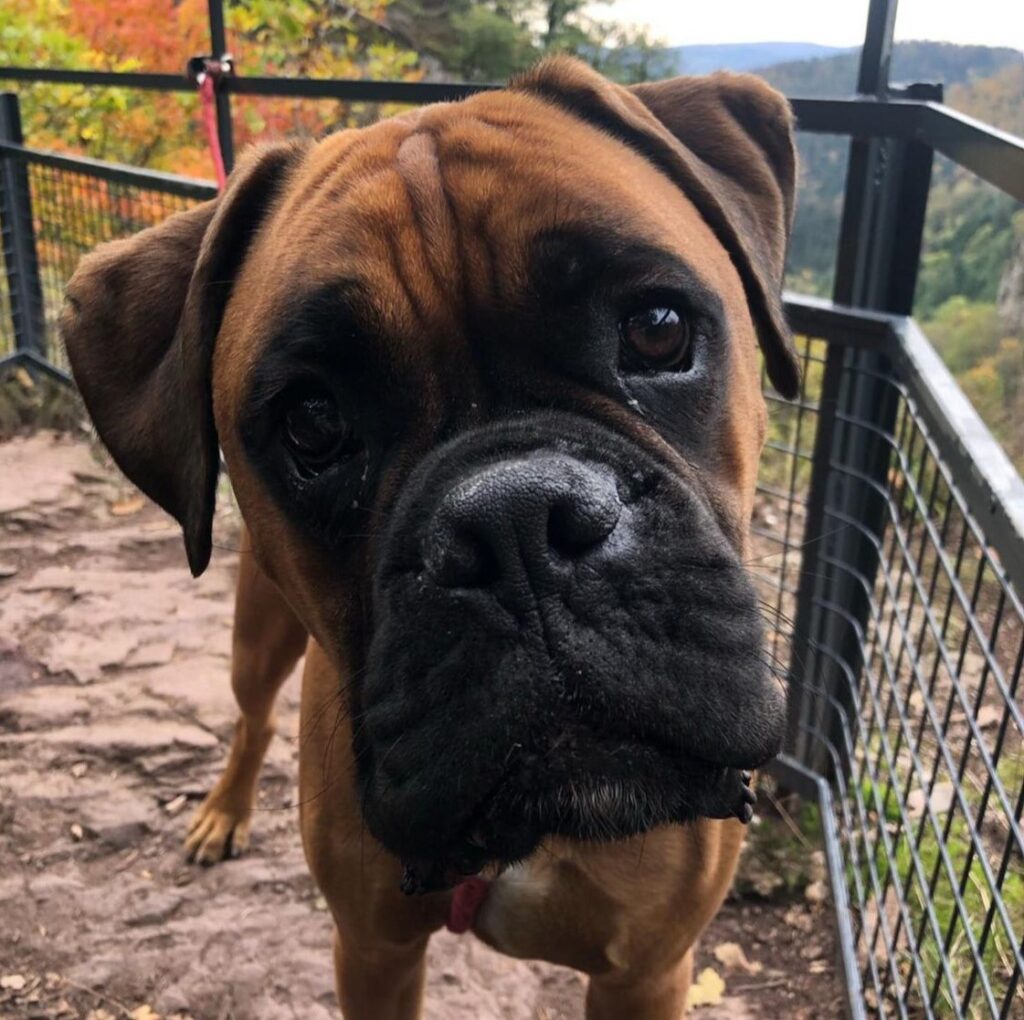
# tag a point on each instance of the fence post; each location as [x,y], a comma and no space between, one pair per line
[218,48]
[876,268]
[21,264]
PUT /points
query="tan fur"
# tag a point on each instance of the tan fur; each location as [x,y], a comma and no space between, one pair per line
[415,208]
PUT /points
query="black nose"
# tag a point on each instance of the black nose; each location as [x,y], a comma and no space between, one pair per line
[518,525]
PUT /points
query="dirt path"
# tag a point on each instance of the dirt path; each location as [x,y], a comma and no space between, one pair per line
[115,711]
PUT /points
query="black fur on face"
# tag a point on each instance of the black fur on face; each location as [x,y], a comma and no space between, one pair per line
[565,642]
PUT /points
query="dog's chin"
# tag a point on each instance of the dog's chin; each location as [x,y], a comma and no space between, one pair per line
[641,789]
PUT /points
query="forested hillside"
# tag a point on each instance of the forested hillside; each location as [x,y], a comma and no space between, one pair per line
[974,235]
[971,288]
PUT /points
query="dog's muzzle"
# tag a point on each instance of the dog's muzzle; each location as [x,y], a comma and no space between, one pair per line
[564,643]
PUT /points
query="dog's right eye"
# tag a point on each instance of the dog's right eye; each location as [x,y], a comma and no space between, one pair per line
[314,429]
[656,339]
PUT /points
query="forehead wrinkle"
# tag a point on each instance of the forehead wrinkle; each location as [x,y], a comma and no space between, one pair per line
[419,169]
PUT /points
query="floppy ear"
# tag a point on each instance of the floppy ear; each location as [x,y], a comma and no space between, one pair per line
[139,325]
[727,140]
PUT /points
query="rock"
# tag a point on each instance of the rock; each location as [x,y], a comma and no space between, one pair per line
[157,653]
[154,908]
[127,737]
[120,837]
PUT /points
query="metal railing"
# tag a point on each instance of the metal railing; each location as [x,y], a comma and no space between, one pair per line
[888,537]
[910,732]
[53,210]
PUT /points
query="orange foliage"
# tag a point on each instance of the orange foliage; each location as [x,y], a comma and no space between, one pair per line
[151,35]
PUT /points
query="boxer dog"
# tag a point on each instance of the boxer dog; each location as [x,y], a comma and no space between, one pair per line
[486,380]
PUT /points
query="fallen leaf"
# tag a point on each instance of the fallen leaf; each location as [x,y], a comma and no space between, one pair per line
[172,807]
[144,1012]
[817,966]
[25,380]
[766,884]
[817,871]
[731,956]
[12,982]
[797,917]
[77,832]
[127,507]
[706,990]
[79,769]
[99,1014]
[320,903]
[988,715]
[815,892]
[940,801]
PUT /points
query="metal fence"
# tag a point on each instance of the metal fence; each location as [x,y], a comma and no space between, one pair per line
[53,209]
[888,536]
[906,719]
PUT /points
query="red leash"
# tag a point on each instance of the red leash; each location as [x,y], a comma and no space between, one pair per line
[207,86]
[206,72]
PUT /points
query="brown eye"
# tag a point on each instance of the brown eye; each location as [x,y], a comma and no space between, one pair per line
[656,338]
[314,429]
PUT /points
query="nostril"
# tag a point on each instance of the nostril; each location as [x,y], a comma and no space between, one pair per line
[512,526]
[467,562]
[579,523]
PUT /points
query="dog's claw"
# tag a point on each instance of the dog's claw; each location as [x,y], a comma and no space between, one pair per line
[748,798]
[216,834]
[414,881]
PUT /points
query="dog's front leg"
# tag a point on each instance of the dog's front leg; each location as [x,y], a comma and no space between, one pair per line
[380,933]
[641,996]
[379,981]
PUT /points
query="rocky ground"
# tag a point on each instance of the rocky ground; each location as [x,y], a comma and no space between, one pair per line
[115,711]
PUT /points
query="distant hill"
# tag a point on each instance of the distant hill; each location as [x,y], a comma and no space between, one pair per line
[836,75]
[980,80]
[968,289]
[742,56]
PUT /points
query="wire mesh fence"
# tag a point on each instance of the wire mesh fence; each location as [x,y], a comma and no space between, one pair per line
[903,647]
[914,713]
[71,206]
[74,212]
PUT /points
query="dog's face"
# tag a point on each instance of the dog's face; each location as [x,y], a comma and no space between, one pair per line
[487,385]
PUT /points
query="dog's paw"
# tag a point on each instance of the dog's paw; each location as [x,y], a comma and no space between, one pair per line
[216,832]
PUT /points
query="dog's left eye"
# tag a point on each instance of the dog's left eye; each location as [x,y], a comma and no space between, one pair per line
[656,338]
[314,430]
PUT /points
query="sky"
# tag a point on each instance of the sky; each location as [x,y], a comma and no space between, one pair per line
[832,22]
